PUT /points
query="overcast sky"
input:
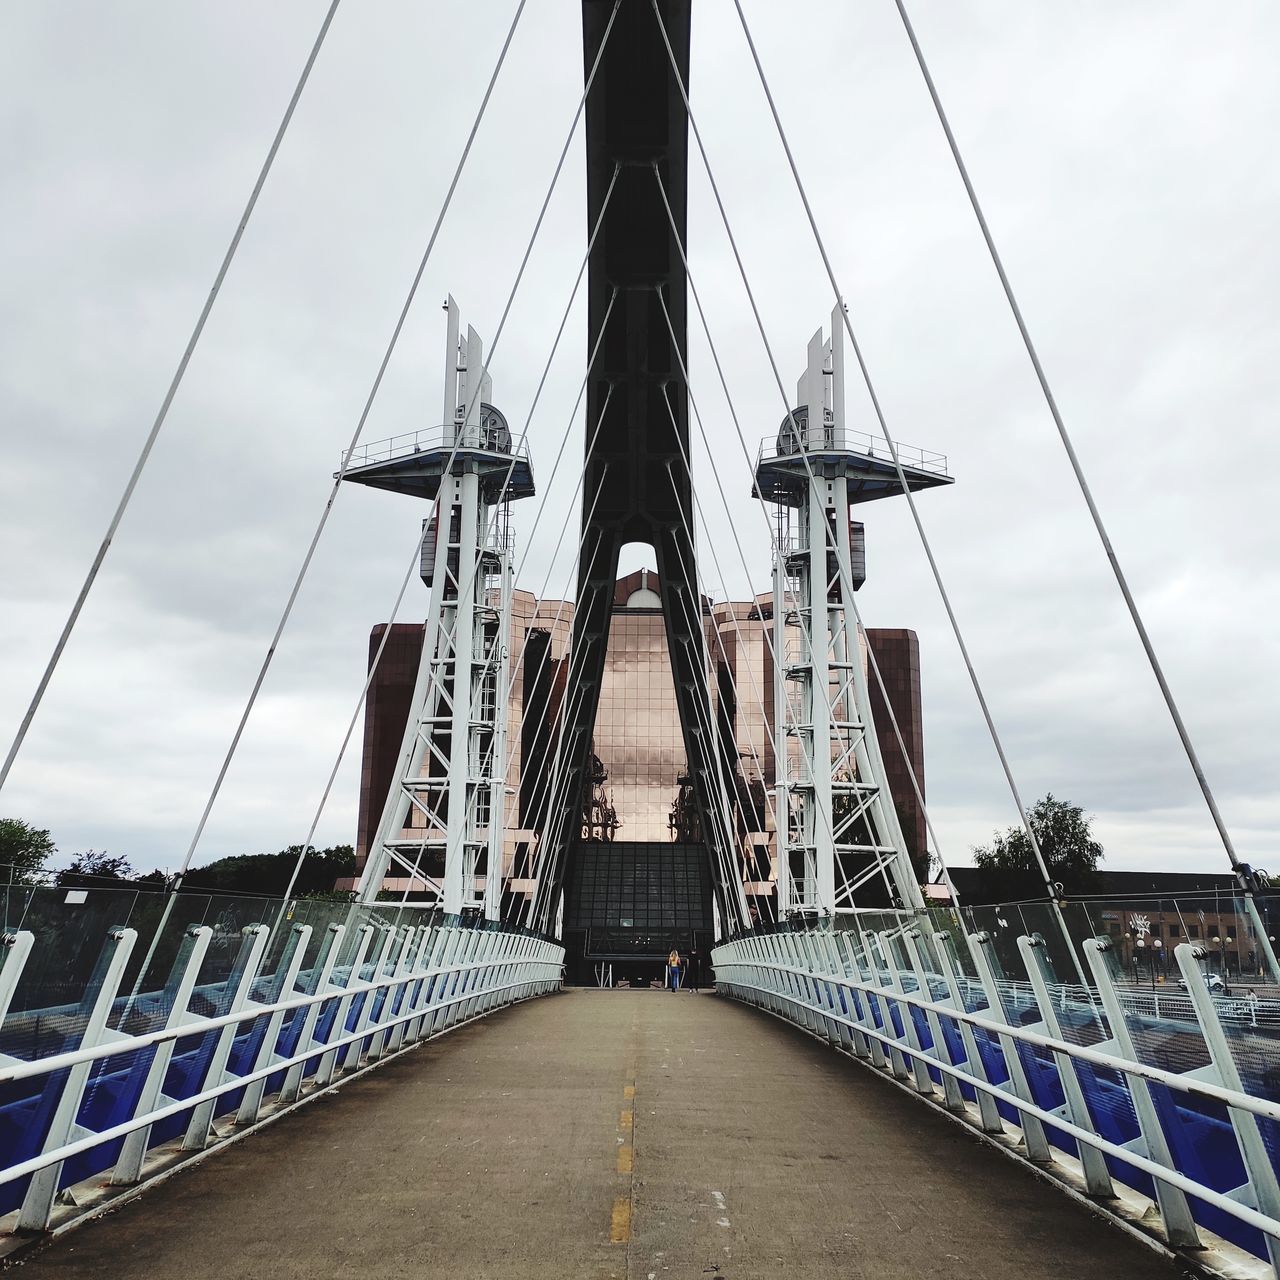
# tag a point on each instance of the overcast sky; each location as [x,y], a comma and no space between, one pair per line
[1125,153]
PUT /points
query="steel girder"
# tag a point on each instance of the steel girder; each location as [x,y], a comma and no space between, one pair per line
[637,487]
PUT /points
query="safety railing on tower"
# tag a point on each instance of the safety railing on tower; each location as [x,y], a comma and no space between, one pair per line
[132,1037]
[849,441]
[482,436]
[1152,1088]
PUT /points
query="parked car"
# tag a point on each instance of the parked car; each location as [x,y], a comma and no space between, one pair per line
[1217,985]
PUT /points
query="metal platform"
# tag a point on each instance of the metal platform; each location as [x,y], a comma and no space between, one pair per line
[415,462]
[783,466]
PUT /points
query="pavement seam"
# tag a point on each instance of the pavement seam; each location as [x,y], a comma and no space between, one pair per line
[620,1221]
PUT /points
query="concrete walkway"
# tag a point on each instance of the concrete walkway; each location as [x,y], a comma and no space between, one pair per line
[607,1134]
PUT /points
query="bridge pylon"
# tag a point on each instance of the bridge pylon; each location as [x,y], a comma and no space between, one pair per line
[838,835]
[442,823]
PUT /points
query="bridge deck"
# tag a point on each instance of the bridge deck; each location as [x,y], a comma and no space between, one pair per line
[607,1134]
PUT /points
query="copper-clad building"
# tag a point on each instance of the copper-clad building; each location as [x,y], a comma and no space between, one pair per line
[636,797]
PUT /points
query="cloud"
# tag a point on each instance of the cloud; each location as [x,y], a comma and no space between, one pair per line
[1119,152]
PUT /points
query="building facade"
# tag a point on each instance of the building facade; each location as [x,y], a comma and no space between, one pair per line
[638,792]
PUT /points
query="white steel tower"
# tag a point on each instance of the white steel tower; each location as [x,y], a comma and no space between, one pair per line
[442,824]
[838,833]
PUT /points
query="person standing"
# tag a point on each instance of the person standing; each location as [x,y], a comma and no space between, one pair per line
[695,970]
[673,970]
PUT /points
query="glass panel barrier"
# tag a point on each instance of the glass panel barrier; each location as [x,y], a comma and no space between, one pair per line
[104,966]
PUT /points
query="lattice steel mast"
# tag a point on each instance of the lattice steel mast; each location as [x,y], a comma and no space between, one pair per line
[442,823]
[838,833]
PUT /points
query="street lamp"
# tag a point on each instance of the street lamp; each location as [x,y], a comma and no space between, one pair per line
[1141,944]
[1222,944]
[1157,946]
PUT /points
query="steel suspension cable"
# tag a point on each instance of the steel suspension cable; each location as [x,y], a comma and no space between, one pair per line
[873,663]
[347,455]
[564,526]
[546,658]
[698,508]
[163,413]
[414,867]
[728,868]
[715,471]
[504,701]
[176,882]
[827,820]
[474,395]
[1051,888]
[1077,468]
[546,493]
[558,795]
[474,569]
[414,561]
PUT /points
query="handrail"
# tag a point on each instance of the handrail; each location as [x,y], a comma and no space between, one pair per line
[26,1070]
[875,994]
[1158,1075]
[424,980]
[1270,1226]
[849,441]
[71,1149]
[440,438]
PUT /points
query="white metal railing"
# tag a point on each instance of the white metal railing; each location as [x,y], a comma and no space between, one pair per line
[774,448]
[435,439]
[1065,1065]
[367,994]
[1164,1003]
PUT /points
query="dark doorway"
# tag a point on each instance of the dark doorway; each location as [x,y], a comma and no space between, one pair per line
[629,903]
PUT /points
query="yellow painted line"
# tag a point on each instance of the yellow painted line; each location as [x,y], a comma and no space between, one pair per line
[624,1159]
[629,1091]
[620,1224]
[626,1118]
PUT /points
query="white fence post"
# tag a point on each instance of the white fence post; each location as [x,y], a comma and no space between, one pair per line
[287,970]
[1262,1191]
[322,974]
[244,973]
[1175,1212]
[1097,1179]
[182,981]
[95,1007]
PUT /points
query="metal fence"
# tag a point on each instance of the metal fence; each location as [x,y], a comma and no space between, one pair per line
[1162,1107]
[105,1070]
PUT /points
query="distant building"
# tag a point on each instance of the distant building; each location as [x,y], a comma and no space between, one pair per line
[636,795]
[1145,913]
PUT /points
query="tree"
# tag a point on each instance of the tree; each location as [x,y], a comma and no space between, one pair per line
[23,851]
[268,873]
[95,869]
[1065,837]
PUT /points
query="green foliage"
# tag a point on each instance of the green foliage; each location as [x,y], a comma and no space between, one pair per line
[23,851]
[1066,839]
[95,869]
[330,895]
[268,873]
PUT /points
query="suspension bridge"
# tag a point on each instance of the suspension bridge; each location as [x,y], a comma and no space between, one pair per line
[884,1082]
